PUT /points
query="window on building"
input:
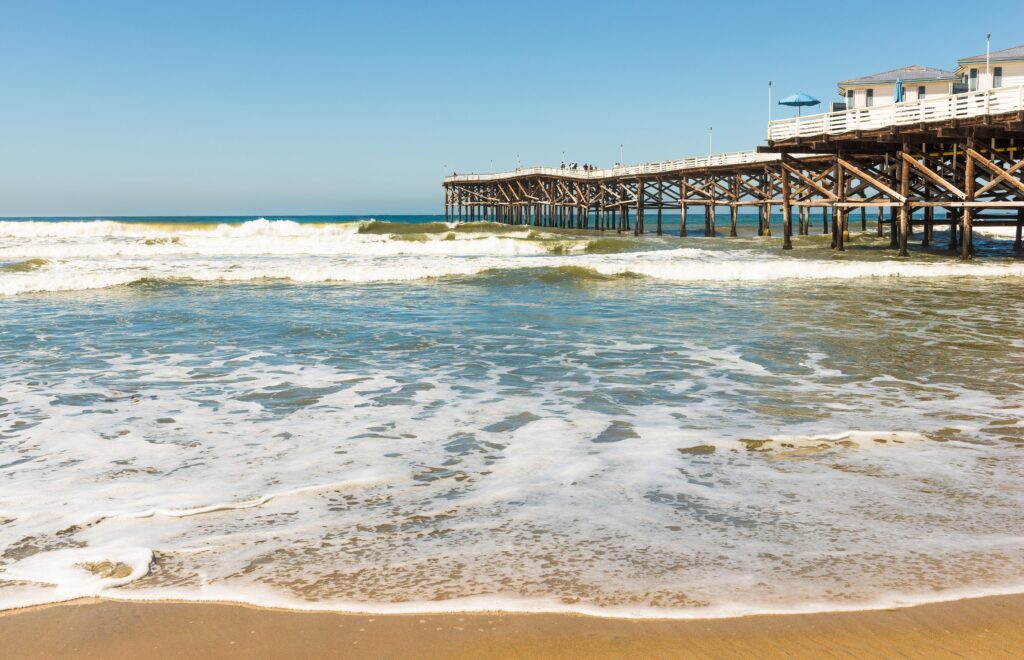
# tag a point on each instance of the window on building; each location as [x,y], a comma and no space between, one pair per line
[869,98]
[997,77]
[920,92]
[849,99]
[972,82]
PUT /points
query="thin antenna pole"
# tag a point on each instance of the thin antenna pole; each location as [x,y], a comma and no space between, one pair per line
[711,133]
[988,51]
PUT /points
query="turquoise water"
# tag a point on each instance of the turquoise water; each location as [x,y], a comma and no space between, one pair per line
[403,416]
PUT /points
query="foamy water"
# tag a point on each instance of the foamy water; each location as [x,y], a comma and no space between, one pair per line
[403,418]
[71,256]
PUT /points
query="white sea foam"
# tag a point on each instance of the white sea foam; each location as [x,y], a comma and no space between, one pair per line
[133,241]
[430,463]
[96,255]
[364,495]
[669,266]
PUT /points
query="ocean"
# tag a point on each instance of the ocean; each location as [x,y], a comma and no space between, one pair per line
[398,414]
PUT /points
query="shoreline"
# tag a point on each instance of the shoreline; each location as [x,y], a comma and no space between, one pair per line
[990,626]
[515,606]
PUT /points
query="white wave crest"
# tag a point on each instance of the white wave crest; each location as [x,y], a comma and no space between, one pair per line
[69,240]
[101,254]
[438,260]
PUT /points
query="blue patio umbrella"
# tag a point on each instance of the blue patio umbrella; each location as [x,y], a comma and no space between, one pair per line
[798,101]
[897,92]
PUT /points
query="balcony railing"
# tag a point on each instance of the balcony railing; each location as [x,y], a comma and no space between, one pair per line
[941,108]
[696,162]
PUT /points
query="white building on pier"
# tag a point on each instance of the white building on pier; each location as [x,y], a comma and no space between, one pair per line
[1001,68]
[919,82]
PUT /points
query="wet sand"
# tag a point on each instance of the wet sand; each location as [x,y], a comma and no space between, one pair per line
[985,627]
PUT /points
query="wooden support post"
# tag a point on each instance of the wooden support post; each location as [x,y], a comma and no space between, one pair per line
[734,208]
[881,220]
[787,211]
[639,225]
[760,219]
[714,217]
[1017,247]
[682,207]
[844,217]
[863,219]
[905,205]
[839,212]
[835,227]
[661,202]
[954,216]
[929,218]
[894,234]
[967,230]
[824,219]
[707,220]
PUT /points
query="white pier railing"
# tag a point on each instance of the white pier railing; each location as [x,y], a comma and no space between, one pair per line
[696,162]
[942,108]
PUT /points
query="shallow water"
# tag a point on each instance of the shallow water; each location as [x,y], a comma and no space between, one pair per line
[334,415]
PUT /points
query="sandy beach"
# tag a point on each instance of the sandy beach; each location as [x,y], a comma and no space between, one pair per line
[990,627]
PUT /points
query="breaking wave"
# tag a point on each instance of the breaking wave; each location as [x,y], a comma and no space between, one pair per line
[37,256]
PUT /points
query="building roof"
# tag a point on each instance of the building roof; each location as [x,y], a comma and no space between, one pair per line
[912,73]
[1014,53]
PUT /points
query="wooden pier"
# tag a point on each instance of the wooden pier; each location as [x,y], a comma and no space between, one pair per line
[963,154]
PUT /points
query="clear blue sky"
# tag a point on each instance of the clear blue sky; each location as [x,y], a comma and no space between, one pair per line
[147,108]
